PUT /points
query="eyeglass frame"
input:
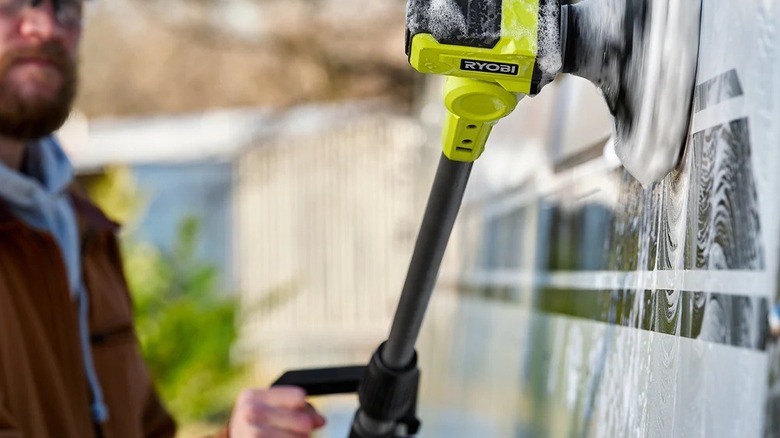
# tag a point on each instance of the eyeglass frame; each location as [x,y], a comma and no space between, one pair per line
[68,13]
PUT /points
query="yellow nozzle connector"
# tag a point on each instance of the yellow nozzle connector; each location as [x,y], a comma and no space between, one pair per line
[473,107]
[482,78]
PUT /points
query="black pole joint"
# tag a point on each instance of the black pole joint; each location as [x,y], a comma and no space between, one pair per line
[389,395]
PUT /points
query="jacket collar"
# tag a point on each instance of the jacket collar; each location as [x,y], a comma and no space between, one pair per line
[88,216]
[6,218]
[47,173]
[51,172]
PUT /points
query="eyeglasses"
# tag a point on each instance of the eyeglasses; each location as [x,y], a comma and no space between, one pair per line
[67,12]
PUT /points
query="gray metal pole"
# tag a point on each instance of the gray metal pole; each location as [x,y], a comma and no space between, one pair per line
[443,204]
[444,201]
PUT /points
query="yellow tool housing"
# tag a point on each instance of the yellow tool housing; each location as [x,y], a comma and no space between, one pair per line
[482,81]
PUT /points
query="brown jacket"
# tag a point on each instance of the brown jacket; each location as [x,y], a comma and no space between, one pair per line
[43,388]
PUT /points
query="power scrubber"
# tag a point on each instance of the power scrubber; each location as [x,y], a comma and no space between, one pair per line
[640,53]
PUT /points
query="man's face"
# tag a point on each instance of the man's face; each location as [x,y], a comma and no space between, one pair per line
[38,74]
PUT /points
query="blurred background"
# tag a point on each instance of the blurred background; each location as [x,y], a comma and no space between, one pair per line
[270,160]
[265,163]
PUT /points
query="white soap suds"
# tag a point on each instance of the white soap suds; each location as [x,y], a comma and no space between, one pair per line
[653,148]
[442,18]
[445,20]
[648,85]
[550,61]
[549,57]
[448,17]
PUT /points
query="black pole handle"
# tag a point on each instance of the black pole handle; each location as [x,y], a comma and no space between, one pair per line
[324,381]
[387,387]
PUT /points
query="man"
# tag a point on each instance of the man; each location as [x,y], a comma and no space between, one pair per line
[70,365]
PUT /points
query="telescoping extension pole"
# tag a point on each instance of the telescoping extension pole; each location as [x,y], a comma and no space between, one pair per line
[443,204]
[387,386]
[388,391]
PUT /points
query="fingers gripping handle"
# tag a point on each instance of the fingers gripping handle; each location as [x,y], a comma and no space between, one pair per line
[473,107]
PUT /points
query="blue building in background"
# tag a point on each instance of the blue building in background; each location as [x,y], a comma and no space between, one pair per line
[175,192]
[183,168]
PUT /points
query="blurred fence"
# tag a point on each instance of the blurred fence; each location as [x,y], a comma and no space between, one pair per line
[325,222]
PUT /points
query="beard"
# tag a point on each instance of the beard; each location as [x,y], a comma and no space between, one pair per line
[28,117]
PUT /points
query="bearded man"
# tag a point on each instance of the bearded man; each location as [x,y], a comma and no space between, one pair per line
[70,364]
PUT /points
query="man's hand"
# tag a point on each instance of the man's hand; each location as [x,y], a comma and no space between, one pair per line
[280,411]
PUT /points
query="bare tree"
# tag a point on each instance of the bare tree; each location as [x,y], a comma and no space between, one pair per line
[152,56]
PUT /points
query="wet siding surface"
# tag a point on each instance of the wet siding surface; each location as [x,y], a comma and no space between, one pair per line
[637,311]
[702,217]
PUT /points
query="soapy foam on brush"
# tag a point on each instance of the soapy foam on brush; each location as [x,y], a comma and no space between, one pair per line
[445,20]
[549,58]
[600,27]
[670,68]
[448,17]
[442,18]
[649,85]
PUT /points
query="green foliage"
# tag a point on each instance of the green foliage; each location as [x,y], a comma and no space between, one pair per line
[185,327]
[116,193]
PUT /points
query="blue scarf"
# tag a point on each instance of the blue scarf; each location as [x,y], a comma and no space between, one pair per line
[39,198]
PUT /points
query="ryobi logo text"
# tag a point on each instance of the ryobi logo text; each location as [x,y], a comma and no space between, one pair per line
[488,67]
